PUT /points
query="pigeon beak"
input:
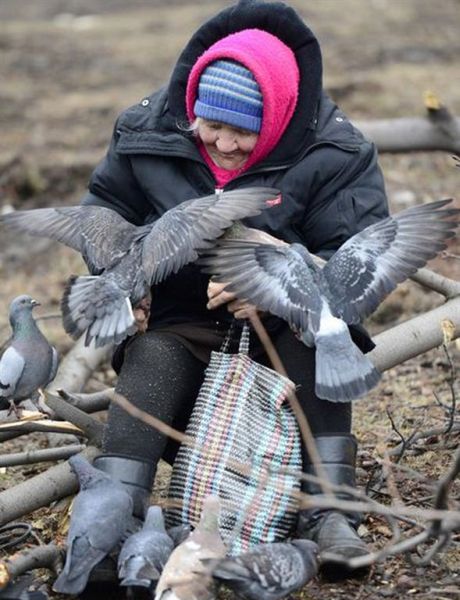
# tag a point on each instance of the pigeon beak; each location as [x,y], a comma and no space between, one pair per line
[35,302]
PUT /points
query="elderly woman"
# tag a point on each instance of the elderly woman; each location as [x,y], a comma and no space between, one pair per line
[244,107]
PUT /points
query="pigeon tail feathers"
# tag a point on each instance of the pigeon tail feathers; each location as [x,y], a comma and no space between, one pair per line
[343,372]
[99,307]
[63,585]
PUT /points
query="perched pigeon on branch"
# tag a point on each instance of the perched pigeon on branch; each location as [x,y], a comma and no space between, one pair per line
[320,303]
[129,258]
[98,523]
[184,576]
[29,362]
[144,554]
[268,571]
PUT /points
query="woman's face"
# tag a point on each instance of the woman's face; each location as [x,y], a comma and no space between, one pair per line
[228,147]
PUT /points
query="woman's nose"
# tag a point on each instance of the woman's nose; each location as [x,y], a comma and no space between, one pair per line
[225,142]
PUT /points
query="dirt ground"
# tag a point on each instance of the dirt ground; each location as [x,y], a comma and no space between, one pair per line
[68,67]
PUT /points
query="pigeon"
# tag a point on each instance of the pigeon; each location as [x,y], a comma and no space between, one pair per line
[97,524]
[29,362]
[145,553]
[125,259]
[184,577]
[319,303]
[268,571]
[179,533]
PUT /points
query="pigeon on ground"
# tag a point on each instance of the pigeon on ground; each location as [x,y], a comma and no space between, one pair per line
[320,303]
[29,362]
[184,577]
[129,259]
[179,533]
[144,554]
[97,525]
[268,571]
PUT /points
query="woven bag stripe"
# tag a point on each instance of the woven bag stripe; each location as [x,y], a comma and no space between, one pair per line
[204,476]
[254,527]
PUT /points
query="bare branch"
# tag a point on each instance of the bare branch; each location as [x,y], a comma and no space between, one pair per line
[415,336]
[53,484]
[39,557]
[89,403]
[92,428]
[35,456]
[411,134]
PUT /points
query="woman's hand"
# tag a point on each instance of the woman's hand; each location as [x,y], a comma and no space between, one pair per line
[218,296]
[142,314]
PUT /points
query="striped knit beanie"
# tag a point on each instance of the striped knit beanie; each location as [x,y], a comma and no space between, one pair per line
[228,93]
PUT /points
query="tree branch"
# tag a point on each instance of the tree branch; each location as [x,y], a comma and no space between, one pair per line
[53,484]
[39,557]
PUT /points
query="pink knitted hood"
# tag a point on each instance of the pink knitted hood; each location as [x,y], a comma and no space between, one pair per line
[275,69]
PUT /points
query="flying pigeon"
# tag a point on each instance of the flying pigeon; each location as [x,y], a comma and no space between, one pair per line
[97,524]
[320,303]
[268,571]
[144,554]
[184,577]
[129,259]
[29,362]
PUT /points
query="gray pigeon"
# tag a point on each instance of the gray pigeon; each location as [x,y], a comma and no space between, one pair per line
[179,533]
[268,571]
[320,303]
[144,554]
[128,259]
[184,576]
[97,525]
[29,362]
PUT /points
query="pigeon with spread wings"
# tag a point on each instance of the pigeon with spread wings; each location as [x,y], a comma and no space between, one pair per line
[320,303]
[129,258]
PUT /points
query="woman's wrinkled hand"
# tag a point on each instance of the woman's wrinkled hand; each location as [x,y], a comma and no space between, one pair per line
[218,296]
[142,314]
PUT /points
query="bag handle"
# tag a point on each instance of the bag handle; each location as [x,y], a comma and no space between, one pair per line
[243,347]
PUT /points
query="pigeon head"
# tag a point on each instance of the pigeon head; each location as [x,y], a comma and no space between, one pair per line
[87,475]
[21,305]
[154,518]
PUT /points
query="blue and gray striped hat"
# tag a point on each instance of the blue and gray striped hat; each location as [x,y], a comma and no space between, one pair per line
[228,93]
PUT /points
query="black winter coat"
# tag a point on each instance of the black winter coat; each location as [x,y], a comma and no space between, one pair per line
[327,172]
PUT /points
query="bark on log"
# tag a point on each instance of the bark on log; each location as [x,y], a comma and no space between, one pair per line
[415,336]
[411,134]
[41,490]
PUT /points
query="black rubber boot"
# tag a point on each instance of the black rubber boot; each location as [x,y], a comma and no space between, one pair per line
[137,477]
[333,531]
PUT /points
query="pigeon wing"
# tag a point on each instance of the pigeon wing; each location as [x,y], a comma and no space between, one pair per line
[11,368]
[274,278]
[100,234]
[372,263]
[176,236]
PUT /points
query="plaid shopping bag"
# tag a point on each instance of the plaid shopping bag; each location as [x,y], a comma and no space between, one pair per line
[241,415]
